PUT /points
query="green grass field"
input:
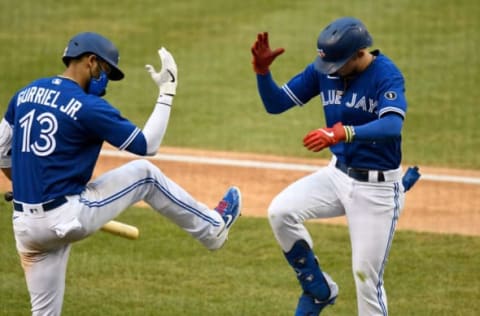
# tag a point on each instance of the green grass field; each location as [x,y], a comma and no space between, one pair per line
[165,272]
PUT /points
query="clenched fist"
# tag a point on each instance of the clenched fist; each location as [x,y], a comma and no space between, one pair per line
[321,138]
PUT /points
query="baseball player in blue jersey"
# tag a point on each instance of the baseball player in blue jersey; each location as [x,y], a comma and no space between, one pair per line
[362,93]
[54,129]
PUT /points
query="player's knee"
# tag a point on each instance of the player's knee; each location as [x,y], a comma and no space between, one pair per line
[273,214]
[144,166]
[279,215]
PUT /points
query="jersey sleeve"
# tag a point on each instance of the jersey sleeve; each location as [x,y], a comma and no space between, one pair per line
[297,91]
[6,135]
[391,94]
[303,87]
[107,124]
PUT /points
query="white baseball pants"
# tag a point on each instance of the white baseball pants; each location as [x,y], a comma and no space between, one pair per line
[44,239]
[372,210]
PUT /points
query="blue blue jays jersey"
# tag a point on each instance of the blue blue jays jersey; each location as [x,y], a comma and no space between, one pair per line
[58,131]
[375,92]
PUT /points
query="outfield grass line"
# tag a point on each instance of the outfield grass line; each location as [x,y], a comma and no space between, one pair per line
[456,179]
[247,163]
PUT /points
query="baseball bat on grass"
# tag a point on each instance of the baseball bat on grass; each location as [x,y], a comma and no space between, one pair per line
[121,229]
[112,227]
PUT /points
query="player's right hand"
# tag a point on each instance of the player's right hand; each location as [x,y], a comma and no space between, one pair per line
[167,78]
[321,138]
[263,56]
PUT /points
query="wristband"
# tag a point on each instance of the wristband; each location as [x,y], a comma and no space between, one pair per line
[349,133]
[165,99]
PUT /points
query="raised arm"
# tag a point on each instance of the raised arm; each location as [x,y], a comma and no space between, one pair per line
[166,80]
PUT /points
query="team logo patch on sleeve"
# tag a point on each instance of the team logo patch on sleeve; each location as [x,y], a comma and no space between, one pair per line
[390,95]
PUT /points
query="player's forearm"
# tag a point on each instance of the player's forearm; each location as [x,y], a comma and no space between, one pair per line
[274,99]
[156,126]
[388,126]
[166,80]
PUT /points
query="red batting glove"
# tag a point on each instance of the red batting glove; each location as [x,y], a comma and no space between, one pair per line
[321,138]
[263,56]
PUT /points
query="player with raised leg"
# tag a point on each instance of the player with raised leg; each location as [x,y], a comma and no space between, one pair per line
[54,129]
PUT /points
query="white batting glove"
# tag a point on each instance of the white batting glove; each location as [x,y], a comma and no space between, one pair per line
[167,78]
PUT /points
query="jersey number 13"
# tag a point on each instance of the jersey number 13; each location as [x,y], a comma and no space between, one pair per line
[45,143]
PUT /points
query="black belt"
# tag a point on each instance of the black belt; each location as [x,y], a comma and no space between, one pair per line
[358,173]
[48,206]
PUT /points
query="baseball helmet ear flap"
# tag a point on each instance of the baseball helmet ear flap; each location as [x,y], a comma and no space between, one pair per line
[338,42]
[89,42]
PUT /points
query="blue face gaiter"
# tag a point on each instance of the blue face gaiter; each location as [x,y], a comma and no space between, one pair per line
[98,86]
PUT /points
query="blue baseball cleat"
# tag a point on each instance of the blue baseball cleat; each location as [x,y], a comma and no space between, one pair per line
[310,306]
[230,207]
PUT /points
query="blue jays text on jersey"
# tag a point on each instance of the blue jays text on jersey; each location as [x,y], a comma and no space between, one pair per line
[58,132]
[371,94]
[334,97]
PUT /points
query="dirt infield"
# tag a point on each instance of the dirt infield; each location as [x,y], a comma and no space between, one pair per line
[431,206]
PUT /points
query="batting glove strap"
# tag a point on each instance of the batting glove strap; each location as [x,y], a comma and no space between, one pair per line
[349,133]
[165,99]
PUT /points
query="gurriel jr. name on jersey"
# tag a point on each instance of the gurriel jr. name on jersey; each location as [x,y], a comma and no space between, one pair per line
[48,97]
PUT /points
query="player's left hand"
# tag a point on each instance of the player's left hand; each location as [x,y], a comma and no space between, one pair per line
[321,138]
[263,56]
[167,78]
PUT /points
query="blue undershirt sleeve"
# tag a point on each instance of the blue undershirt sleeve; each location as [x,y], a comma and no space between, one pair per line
[274,99]
[388,126]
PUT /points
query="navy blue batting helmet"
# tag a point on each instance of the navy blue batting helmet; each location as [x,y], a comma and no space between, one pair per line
[94,43]
[338,42]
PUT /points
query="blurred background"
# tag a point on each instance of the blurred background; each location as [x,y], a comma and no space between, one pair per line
[434,42]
